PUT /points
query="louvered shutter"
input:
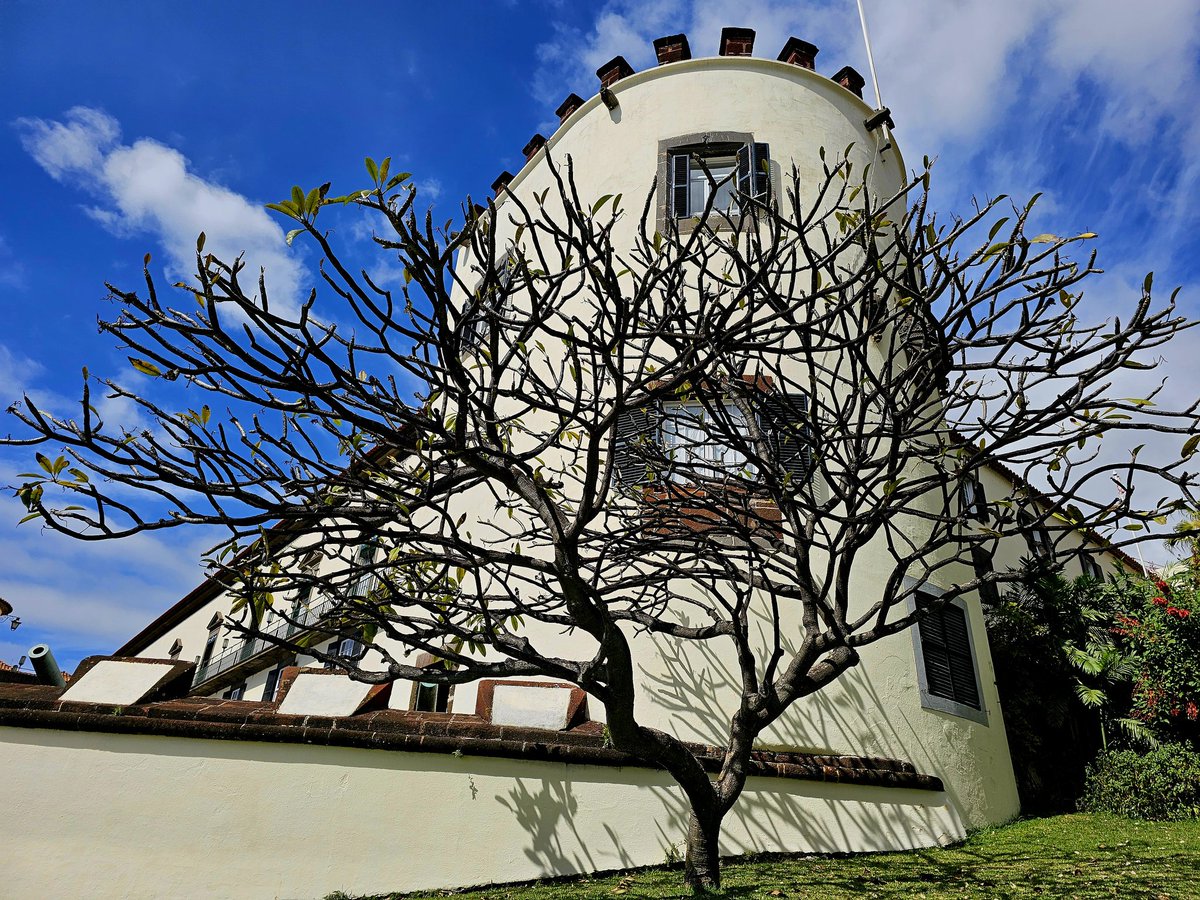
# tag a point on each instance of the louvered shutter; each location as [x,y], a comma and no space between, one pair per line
[946,648]
[935,658]
[635,430]
[958,648]
[680,176]
[784,417]
[762,172]
[745,170]
[754,172]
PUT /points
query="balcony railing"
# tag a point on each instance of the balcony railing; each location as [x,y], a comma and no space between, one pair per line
[247,650]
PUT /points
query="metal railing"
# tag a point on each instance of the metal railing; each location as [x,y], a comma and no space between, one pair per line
[248,649]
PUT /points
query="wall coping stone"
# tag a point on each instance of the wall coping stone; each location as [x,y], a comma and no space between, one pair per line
[40,706]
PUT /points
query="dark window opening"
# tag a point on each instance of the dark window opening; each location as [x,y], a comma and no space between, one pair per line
[981,559]
[271,688]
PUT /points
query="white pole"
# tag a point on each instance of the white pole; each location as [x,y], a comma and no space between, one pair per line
[862,17]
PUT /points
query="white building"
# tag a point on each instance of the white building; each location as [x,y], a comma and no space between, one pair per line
[925,697]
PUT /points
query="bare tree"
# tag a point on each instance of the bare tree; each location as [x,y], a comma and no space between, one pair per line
[701,431]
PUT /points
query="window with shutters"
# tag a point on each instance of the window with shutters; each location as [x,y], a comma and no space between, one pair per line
[431,696]
[984,565]
[677,442]
[725,172]
[1091,567]
[1036,535]
[946,667]
[972,499]
[271,688]
[366,579]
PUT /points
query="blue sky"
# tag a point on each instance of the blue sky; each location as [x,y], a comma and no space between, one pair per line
[126,128]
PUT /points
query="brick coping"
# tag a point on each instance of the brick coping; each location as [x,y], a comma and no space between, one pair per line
[38,706]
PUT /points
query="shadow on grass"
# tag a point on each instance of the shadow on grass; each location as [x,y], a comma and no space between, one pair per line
[1085,856]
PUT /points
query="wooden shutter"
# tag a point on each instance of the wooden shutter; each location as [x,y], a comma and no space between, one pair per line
[680,176]
[980,507]
[635,431]
[754,172]
[762,172]
[946,652]
[745,171]
[784,417]
[983,564]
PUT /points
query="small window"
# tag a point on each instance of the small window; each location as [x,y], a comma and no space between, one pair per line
[983,564]
[946,656]
[1091,567]
[1036,535]
[945,651]
[682,433]
[430,696]
[972,499]
[728,175]
[235,693]
[693,449]
[272,685]
[346,648]
[364,560]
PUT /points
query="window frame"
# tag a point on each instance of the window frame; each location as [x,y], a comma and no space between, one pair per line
[1037,536]
[936,702]
[721,143]
[443,694]
[972,497]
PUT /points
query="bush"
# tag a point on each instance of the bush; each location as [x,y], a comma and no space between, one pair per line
[1161,784]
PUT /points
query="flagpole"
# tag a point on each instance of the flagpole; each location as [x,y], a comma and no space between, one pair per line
[862,17]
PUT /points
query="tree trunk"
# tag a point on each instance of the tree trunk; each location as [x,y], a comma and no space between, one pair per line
[702,867]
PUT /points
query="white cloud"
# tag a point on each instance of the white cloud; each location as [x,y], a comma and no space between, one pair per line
[147,188]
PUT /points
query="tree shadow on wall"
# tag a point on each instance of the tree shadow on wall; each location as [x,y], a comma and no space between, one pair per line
[549,814]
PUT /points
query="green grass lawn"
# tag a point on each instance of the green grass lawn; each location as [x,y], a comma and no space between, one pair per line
[1064,856]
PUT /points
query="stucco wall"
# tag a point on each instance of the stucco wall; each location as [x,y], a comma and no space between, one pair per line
[132,816]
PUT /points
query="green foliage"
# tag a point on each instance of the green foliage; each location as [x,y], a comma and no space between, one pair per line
[1051,734]
[1163,784]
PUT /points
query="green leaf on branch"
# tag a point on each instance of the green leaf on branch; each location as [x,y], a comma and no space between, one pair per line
[291,235]
[1044,239]
[372,169]
[1189,446]
[288,208]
